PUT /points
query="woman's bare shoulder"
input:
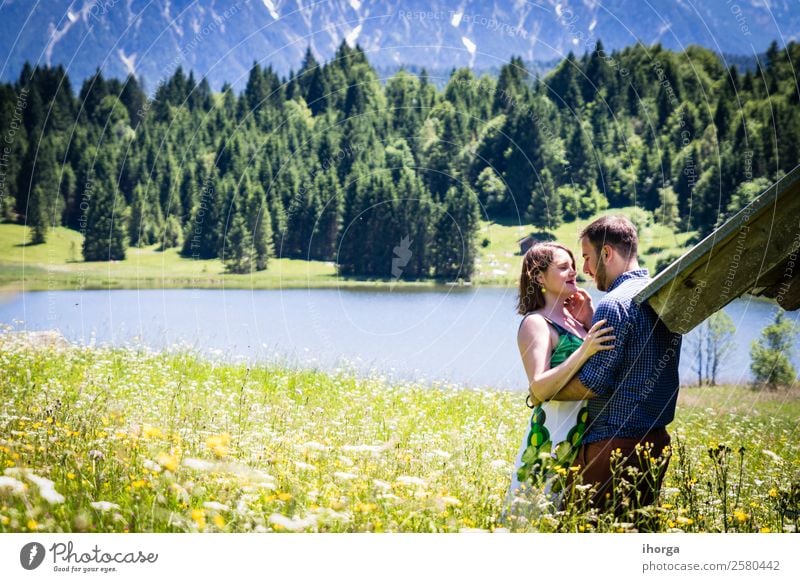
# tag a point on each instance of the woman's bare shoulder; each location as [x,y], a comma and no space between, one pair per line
[533,323]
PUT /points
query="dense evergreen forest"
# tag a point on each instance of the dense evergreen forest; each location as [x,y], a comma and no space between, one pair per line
[333,163]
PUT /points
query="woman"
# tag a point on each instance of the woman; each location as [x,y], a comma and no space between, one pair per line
[555,338]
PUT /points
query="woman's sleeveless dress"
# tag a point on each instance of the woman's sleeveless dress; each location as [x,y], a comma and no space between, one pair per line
[553,438]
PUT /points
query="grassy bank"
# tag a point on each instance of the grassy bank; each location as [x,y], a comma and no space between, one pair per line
[57,264]
[114,440]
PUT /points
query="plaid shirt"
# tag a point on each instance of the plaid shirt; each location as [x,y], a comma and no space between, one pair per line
[636,383]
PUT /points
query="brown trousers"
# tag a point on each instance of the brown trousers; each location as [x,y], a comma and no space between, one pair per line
[638,490]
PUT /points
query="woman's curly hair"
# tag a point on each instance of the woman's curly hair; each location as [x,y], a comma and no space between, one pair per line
[535,263]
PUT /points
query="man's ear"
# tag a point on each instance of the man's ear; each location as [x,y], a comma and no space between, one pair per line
[606,253]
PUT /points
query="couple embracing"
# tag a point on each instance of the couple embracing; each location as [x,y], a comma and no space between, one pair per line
[603,381]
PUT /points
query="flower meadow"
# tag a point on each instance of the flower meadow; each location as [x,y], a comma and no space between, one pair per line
[125,440]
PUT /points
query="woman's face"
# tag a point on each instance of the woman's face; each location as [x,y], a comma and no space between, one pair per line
[559,278]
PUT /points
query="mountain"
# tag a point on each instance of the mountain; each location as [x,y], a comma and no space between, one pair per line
[221,39]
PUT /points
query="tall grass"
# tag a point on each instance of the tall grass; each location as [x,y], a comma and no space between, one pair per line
[109,440]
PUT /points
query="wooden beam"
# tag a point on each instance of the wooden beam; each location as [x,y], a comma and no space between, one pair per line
[732,260]
[786,290]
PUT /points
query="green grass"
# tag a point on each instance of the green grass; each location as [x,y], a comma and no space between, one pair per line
[500,262]
[100,440]
[58,264]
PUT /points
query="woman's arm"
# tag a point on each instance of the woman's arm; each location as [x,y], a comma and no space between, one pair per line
[533,340]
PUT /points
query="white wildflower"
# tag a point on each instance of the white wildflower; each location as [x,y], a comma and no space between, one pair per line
[374,449]
[11,486]
[774,456]
[304,466]
[46,489]
[406,480]
[216,506]
[314,446]
[151,465]
[198,464]
[104,505]
[345,476]
[293,523]
[381,484]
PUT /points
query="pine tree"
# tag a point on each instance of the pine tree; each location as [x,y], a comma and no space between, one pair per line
[311,83]
[544,209]
[106,228]
[134,100]
[238,250]
[44,205]
[260,224]
[722,117]
[563,84]
[330,197]
[511,86]
[36,216]
[522,161]
[204,234]
[455,235]
[599,77]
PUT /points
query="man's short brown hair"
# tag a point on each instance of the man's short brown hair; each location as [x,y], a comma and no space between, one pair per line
[615,230]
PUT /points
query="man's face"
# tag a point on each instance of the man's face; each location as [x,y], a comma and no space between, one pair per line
[593,264]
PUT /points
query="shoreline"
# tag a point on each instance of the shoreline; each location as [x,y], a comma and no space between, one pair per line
[53,338]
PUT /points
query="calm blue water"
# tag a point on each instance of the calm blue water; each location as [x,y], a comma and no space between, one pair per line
[466,336]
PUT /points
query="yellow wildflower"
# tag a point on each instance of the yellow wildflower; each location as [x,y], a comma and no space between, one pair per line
[219,444]
[740,516]
[199,517]
[32,524]
[168,460]
[219,521]
[151,432]
[773,492]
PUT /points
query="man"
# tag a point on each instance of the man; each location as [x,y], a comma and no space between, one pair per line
[632,389]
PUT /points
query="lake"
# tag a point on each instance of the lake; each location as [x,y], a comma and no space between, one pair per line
[461,335]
